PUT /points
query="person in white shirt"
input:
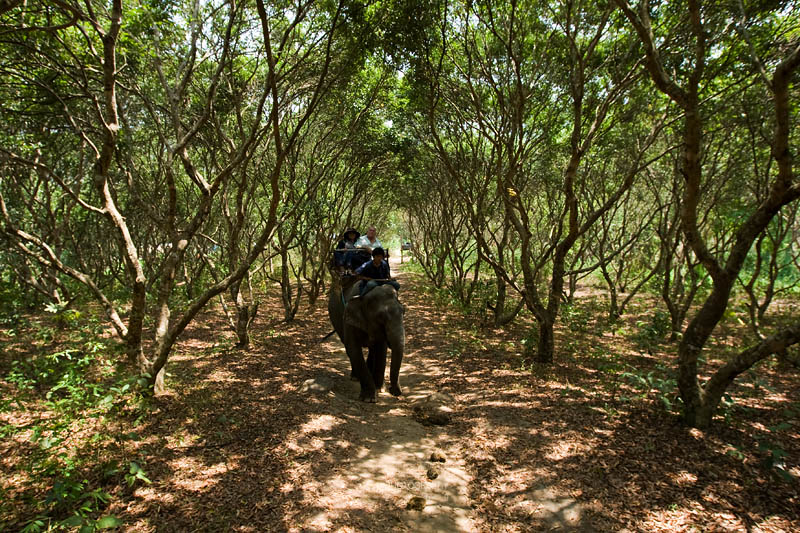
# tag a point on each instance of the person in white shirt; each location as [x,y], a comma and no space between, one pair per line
[370,240]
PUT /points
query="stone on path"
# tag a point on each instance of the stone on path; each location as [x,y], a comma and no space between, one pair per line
[317,384]
[416,504]
[434,471]
[437,456]
[435,410]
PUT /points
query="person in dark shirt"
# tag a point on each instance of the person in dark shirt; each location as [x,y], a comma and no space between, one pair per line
[346,253]
[349,238]
[375,272]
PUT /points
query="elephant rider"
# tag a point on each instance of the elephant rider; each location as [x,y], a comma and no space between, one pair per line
[370,240]
[374,273]
[345,249]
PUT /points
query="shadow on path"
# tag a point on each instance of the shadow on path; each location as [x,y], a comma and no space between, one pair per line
[386,463]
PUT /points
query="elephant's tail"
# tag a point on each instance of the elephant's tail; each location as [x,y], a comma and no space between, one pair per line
[326,337]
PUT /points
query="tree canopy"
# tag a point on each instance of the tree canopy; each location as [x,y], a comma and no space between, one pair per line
[160,158]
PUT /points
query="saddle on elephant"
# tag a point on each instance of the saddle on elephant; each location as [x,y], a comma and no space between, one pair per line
[344,261]
[352,251]
[348,253]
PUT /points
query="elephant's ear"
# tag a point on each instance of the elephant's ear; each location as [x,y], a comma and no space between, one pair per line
[354,314]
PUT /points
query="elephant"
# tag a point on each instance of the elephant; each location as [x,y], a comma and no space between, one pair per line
[373,321]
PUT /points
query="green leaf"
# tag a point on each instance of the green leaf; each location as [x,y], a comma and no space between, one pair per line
[666,402]
[72,521]
[786,476]
[108,522]
[34,525]
[783,426]
[778,453]
[735,453]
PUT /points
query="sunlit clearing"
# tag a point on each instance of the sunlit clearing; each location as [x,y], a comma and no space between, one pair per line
[562,450]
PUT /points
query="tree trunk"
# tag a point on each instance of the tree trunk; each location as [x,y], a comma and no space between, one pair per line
[133,339]
[500,305]
[546,344]
[613,306]
[676,323]
[700,403]
[694,339]
[242,325]
[698,414]
[245,313]
[501,316]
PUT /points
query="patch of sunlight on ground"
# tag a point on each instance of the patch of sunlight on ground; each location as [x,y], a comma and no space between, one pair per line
[204,475]
[683,478]
[564,449]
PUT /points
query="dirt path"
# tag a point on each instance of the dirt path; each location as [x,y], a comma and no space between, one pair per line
[275,439]
[389,460]
[379,474]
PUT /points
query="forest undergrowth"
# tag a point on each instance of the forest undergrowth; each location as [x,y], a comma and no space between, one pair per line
[238,444]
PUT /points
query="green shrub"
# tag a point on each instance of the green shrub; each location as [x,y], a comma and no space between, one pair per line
[660,385]
[77,383]
[651,333]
